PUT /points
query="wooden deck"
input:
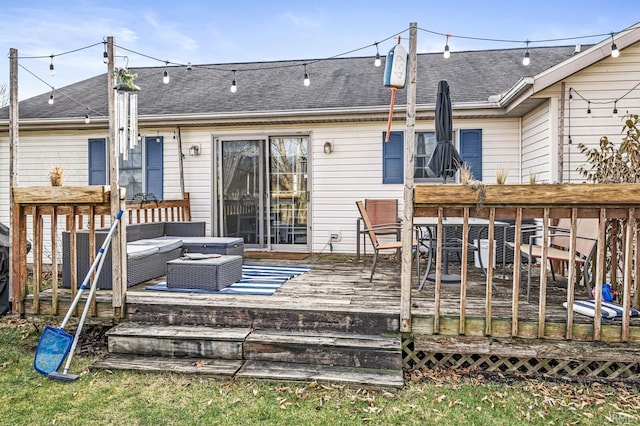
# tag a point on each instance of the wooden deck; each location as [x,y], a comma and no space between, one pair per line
[335,298]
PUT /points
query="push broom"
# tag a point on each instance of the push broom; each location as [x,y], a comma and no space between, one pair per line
[55,343]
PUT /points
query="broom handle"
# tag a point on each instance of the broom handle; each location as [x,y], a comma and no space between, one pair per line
[94,265]
[92,292]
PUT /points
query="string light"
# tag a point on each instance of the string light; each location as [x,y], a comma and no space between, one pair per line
[615,109]
[52,70]
[447,53]
[234,88]
[526,61]
[165,75]
[87,119]
[158,137]
[570,94]
[307,81]
[377,61]
[51,98]
[589,109]
[614,49]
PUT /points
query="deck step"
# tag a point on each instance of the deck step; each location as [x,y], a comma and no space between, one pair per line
[333,349]
[297,316]
[177,341]
[321,373]
[354,359]
[216,368]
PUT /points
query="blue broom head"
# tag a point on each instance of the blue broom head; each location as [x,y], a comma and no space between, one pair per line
[52,349]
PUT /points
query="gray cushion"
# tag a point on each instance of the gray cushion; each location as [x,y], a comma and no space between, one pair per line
[139,251]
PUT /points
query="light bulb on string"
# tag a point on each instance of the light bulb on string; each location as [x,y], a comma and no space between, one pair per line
[87,119]
[447,52]
[589,109]
[158,137]
[570,94]
[165,76]
[307,81]
[51,98]
[614,49]
[377,61]
[615,109]
[52,70]
[526,60]
[189,67]
[234,87]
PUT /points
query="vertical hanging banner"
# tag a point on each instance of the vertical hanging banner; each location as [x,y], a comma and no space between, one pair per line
[395,76]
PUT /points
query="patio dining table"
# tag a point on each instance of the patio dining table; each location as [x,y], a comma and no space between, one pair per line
[426,238]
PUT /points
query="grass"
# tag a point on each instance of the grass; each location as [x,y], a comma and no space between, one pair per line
[430,397]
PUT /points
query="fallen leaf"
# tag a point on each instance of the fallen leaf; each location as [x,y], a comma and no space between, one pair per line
[200,363]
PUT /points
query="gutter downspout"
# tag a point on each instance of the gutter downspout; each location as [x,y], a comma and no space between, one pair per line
[520,148]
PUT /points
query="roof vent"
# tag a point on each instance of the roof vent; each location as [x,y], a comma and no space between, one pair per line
[577,49]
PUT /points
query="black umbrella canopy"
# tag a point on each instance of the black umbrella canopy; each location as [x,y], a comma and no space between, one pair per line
[445,160]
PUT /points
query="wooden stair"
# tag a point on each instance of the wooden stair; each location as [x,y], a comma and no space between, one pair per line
[227,352]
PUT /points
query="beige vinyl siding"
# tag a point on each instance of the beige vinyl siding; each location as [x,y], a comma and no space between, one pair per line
[536,141]
[352,172]
[500,146]
[601,83]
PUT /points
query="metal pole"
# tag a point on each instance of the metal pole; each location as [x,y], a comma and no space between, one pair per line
[407,217]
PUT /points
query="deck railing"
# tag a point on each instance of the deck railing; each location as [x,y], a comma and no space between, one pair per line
[616,207]
[42,214]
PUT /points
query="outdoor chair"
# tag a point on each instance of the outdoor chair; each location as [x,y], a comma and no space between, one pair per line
[380,246]
[558,250]
[383,214]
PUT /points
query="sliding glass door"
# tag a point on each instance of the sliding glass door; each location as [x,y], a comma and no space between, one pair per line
[261,191]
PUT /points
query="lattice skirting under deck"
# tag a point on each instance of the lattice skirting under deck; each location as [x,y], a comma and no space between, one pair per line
[561,368]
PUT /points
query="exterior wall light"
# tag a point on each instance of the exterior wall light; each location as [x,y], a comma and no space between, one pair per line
[194,150]
[328,147]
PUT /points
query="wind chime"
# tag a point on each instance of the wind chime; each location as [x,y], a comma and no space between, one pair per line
[126,111]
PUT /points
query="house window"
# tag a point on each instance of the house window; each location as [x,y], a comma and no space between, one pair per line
[131,171]
[425,144]
[141,172]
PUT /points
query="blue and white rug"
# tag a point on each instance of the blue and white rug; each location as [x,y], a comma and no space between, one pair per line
[262,280]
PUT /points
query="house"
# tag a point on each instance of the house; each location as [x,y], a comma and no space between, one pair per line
[281,164]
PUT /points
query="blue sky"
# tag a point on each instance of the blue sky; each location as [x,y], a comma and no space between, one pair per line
[184,31]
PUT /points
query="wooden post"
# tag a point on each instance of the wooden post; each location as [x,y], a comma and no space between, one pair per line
[407,217]
[117,240]
[14,251]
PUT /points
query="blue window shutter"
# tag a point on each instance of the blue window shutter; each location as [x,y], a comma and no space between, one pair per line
[393,158]
[471,150]
[153,166]
[97,161]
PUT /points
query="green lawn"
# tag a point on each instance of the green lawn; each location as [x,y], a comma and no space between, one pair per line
[431,397]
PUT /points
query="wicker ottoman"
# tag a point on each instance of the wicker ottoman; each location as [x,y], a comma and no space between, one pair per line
[205,274]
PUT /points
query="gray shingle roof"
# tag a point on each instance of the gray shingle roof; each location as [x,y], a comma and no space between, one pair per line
[339,83]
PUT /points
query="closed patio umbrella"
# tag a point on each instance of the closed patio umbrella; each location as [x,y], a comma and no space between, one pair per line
[445,160]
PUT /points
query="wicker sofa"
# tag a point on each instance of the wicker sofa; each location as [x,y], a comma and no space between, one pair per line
[149,247]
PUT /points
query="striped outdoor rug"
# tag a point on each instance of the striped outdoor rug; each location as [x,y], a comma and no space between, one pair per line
[256,280]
